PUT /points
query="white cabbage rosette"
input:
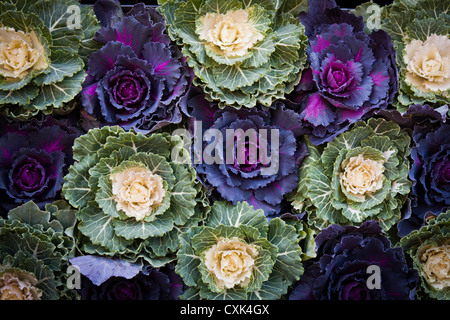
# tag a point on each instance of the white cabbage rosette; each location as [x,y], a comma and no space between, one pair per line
[18,285]
[428,64]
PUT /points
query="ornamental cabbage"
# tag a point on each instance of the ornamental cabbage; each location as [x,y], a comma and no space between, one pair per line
[133,200]
[34,158]
[35,246]
[361,175]
[429,250]
[43,48]
[238,254]
[138,76]
[242,52]
[261,182]
[341,270]
[430,175]
[350,72]
[420,33]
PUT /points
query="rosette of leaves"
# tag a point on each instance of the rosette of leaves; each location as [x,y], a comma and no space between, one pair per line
[35,246]
[341,270]
[134,200]
[419,30]
[430,174]
[361,175]
[43,47]
[238,254]
[429,249]
[242,52]
[351,72]
[262,167]
[144,76]
[34,159]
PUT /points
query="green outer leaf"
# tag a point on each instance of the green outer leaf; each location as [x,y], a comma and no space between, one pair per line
[235,76]
[55,94]
[99,227]
[30,241]
[22,96]
[188,261]
[272,289]
[90,25]
[155,143]
[30,214]
[224,213]
[423,27]
[288,43]
[219,7]
[76,188]
[132,229]
[63,64]
[92,141]
[234,294]
[320,193]
[288,261]
[294,7]
[56,17]
[183,194]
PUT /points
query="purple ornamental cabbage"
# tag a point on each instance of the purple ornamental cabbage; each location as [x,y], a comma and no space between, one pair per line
[430,174]
[351,73]
[34,157]
[340,271]
[137,78]
[247,181]
[158,284]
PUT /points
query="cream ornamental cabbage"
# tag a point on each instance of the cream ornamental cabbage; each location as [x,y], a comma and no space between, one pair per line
[20,53]
[133,200]
[362,176]
[16,285]
[420,32]
[428,64]
[429,250]
[436,265]
[231,262]
[229,34]
[242,53]
[238,254]
[137,191]
[42,55]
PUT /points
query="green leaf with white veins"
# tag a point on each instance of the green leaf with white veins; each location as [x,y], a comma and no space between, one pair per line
[99,227]
[183,195]
[63,64]
[91,142]
[76,187]
[188,260]
[61,22]
[58,93]
[289,261]
[22,96]
[234,215]
[155,143]
[132,229]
